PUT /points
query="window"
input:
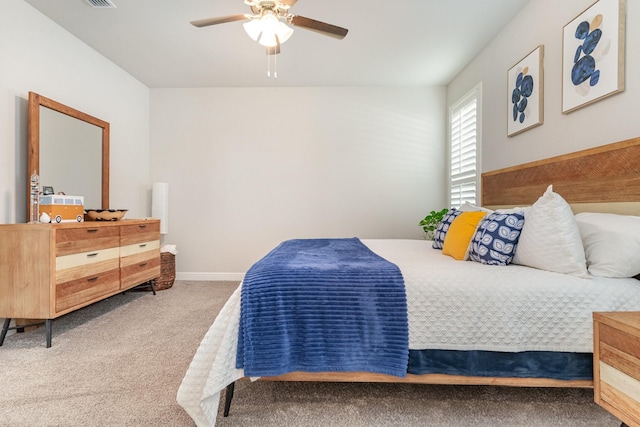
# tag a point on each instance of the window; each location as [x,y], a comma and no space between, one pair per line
[464,148]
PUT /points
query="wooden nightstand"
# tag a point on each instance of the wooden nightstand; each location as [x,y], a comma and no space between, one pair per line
[616,364]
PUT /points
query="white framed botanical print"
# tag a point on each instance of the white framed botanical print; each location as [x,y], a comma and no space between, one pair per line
[525,103]
[593,54]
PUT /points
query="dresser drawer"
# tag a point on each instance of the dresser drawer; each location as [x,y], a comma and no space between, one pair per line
[75,266]
[139,268]
[620,350]
[617,364]
[140,232]
[83,239]
[87,289]
[138,248]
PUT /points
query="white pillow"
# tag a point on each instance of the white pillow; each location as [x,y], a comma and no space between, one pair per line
[523,210]
[468,207]
[611,243]
[550,239]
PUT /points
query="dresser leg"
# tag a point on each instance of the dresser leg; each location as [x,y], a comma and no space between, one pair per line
[7,321]
[5,328]
[47,328]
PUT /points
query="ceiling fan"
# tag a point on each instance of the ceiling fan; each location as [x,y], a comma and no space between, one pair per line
[267,26]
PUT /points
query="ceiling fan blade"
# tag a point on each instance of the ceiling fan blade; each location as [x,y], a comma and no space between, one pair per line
[219,20]
[320,27]
[288,2]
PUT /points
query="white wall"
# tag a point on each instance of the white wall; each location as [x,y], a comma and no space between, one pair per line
[541,22]
[250,167]
[37,55]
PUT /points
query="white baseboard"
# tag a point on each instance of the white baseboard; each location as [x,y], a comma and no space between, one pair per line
[209,276]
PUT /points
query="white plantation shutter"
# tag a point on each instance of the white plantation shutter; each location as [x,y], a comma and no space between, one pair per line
[464,144]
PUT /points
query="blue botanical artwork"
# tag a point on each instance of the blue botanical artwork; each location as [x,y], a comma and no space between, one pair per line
[521,94]
[584,64]
[525,83]
[593,54]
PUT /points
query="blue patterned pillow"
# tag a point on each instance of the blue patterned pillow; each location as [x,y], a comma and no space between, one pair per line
[497,237]
[443,227]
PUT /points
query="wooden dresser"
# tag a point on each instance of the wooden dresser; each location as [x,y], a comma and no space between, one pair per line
[616,364]
[47,270]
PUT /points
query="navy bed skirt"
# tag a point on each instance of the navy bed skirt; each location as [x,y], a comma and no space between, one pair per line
[527,364]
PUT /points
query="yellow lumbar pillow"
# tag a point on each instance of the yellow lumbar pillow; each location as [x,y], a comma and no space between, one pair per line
[461,231]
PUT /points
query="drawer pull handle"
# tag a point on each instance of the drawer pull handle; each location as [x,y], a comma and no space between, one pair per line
[93,279]
[142,226]
[92,255]
[143,264]
[143,245]
[92,230]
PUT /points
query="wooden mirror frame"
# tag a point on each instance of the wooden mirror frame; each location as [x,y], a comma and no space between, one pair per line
[33,153]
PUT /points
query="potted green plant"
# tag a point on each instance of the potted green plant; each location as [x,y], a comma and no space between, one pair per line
[431,221]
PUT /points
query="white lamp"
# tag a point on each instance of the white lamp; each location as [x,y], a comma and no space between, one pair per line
[160,205]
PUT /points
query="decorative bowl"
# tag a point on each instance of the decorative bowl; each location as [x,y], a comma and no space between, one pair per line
[104,214]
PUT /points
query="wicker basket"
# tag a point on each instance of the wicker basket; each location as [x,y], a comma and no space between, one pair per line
[167,271]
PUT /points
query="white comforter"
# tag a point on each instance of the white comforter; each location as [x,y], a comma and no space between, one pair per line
[454,305]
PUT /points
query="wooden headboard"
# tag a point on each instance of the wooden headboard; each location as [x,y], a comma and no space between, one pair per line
[601,179]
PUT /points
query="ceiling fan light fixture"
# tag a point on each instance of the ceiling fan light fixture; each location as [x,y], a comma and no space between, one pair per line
[284,32]
[253,28]
[271,37]
[268,30]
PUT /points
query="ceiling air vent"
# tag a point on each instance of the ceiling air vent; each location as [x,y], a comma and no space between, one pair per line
[102,4]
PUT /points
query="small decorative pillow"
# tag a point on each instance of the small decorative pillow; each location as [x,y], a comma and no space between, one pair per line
[461,231]
[443,227]
[550,239]
[496,239]
[611,243]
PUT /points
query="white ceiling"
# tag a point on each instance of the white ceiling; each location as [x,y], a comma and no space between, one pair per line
[401,42]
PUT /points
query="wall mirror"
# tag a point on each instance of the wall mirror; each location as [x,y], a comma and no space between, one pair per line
[69,150]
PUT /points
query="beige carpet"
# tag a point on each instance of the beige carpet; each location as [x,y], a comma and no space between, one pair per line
[120,362]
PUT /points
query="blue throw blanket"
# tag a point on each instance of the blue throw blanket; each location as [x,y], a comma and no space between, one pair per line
[323,305]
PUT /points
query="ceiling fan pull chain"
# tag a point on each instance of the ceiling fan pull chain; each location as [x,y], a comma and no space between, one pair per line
[268,66]
[275,66]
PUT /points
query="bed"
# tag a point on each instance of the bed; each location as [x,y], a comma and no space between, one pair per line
[492,311]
